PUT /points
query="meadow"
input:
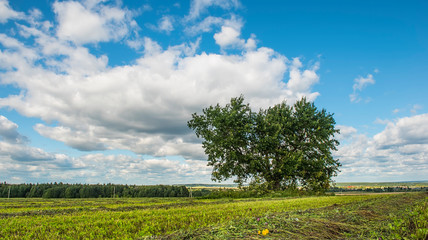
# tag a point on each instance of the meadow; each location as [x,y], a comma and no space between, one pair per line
[386,216]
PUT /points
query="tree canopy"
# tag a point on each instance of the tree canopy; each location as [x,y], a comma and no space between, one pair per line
[283,146]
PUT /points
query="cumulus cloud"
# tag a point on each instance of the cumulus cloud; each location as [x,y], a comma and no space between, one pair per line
[359,84]
[8,131]
[6,12]
[100,168]
[399,152]
[91,22]
[205,25]
[15,146]
[26,163]
[166,24]
[130,169]
[346,132]
[230,26]
[142,106]
[198,7]
[407,130]
[23,153]
[15,54]
[300,82]
[229,36]
[362,82]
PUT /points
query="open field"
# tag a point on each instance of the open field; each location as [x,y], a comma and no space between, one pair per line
[389,216]
[411,184]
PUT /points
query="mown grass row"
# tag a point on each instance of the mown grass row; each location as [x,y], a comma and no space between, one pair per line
[399,216]
[113,219]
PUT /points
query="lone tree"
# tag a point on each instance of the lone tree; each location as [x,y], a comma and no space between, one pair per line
[282,147]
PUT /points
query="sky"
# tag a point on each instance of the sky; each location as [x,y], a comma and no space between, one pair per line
[97,91]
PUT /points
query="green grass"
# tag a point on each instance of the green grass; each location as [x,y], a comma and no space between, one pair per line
[361,216]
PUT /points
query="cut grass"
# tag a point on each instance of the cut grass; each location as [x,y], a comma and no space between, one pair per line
[328,217]
[399,216]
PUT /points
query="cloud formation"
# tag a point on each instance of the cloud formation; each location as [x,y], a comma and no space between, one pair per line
[166,24]
[65,79]
[9,131]
[141,107]
[405,131]
[359,84]
[400,151]
[15,146]
[198,7]
[24,162]
[91,22]
[230,36]
[6,12]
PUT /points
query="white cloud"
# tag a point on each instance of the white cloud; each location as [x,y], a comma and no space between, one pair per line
[15,54]
[77,139]
[91,23]
[127,169]
[205,25]
[6,12]
[198,7]
[228,37]
[398,153]
[144,107]
[359,84]
[99,168]
[165,24]
[407,130]
[20,162]
[346,132]
[15,146]
[75,60]
[92,3]
[8,131]
[301,82]
[23,153]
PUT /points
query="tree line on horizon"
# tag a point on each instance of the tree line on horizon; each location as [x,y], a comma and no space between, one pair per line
[61,190]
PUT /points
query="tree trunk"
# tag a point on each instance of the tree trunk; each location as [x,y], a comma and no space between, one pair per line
[276,185]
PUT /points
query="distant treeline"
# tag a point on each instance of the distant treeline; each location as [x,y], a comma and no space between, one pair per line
[378,189]
[60,190]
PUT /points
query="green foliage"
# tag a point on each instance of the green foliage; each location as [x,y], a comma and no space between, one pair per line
[227,133]
[280,147]
[413,225]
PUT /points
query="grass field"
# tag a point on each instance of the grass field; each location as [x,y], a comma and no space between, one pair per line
[391,216]
[364,185]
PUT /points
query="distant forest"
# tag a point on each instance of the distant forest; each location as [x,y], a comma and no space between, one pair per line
[60,190]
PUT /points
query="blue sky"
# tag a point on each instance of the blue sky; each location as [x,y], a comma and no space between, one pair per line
[100,91]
